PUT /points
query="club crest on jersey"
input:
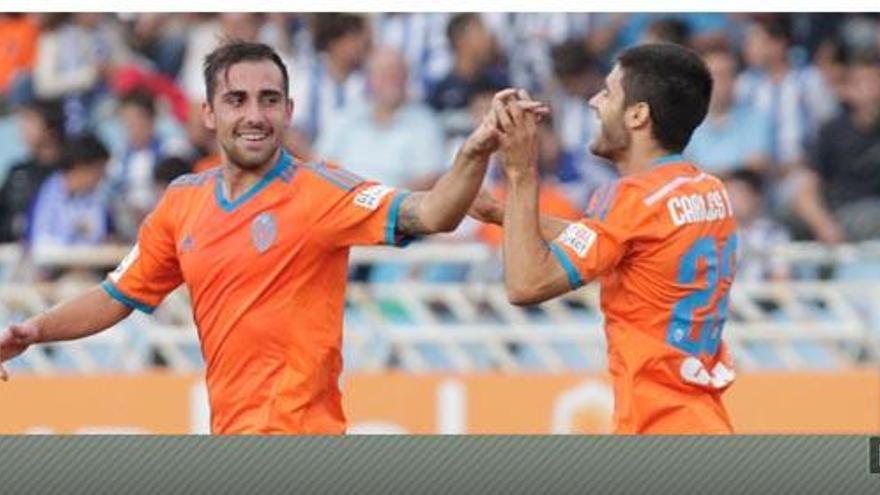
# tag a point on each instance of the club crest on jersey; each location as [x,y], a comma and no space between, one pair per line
[371,197]
[187,244]
[579,238]
[264,231]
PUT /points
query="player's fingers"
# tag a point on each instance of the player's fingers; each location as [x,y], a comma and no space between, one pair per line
[502,116]
[534,107]
[504,95]
[516,113]
[523,95]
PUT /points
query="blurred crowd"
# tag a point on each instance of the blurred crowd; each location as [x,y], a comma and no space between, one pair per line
[99,112]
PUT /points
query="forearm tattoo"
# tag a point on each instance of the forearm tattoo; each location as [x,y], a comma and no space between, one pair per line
[409,221]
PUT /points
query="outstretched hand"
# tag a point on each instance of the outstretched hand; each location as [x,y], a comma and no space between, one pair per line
[14,340]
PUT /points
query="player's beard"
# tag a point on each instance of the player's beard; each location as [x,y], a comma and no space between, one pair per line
[246,159]
[613,139]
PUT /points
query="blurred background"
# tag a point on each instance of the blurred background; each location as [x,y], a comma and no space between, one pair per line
[99,112]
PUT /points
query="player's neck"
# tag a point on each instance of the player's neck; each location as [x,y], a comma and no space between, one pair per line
[237,180]
[640,159]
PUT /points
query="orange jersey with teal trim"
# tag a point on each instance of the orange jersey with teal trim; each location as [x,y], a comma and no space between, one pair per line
[663,245]
[266,275]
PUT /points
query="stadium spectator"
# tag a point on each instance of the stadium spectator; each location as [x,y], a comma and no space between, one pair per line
[42,128]
[795,97]
[167,170]
[326,85]
[18,46]
[839,198]
[474,64]
[161,39]
[71,207]
[758,233]
[390,139]
[699,28]
[76,54]
[526,39]
[421,38]
[131,173]
[667,30]
[734,135]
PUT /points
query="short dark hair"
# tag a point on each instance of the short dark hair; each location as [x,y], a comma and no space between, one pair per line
[748,177]
[571,58]
[670,30]
[170,168]
[674,82]
[85,148]
[327,28]
[457,26]
[235,51]
[865,57]
[51,112]
[777,27]
[141,99]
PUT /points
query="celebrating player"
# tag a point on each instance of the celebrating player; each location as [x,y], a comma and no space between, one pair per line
[661,240]
[262,243]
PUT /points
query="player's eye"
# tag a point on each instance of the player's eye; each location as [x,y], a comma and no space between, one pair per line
[234,99]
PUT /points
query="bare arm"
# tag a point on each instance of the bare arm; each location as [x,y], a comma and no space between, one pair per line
[809,205]
[442,208]
[85,315]
[487,209]
[531,272]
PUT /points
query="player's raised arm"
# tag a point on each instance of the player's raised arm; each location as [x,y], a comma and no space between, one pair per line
[442,208]
[487,209]
[75,318]
[531,274]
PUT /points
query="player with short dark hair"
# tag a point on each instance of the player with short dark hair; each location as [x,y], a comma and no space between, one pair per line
[262,244]
[661,240]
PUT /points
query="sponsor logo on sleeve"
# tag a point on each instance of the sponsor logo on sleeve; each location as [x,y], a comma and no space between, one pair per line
[125,264]
[579,238]
[371,197]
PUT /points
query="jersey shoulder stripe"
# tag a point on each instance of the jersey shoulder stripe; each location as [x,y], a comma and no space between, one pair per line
[194,180]
[339,177]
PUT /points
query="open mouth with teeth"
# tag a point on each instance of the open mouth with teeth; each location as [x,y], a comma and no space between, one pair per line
[253,136]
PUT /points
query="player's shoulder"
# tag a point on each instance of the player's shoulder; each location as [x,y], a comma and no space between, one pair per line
[684,177]
[194,180]
[332,176]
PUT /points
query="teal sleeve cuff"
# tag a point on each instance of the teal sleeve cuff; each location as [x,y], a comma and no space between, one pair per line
[574,278]
[122,298]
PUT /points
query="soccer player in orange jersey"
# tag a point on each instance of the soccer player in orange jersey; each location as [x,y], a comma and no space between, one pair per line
[262,243]
[661,241]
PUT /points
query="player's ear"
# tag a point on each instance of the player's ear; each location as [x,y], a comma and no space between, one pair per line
[208,116]
[288,109]
[638,115]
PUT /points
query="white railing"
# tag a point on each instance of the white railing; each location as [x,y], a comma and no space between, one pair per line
[468,325]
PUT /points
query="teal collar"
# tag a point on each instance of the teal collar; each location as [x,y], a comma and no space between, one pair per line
[284,161]
[673,158]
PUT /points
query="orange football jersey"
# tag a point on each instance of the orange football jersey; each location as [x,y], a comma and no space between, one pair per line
[266,274]
[663,245]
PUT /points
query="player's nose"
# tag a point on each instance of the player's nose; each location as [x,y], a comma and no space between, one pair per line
[253,113]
